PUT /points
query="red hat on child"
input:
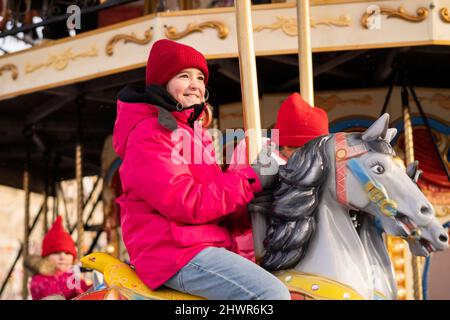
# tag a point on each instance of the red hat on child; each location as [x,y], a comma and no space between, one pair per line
[298,122]
[58,240]
[167,58]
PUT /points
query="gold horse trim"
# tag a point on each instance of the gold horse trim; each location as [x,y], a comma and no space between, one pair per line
[421,15]
[317,287]
[148,36]
[222,30]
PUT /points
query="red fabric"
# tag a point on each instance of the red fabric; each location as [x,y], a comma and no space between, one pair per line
[429,162]
[167,58]
[58,240]
[43,286]
[170,212]
[299,123]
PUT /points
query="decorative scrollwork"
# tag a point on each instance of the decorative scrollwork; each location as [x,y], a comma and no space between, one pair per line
[421,15]
[10,67]
[148,36]
[61,61]
[289,25]
[342,21]
[444,13]
[222,30]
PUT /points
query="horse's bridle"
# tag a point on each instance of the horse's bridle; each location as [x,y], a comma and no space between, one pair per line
[346,158]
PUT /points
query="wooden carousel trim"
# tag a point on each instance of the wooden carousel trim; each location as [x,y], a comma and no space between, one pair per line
[444,14]
[222,30]
[60,61]
[10,67]
[81,35]
[72,81]
[400,12]
[342,21]
[223,56]
[148,36]
[289,25]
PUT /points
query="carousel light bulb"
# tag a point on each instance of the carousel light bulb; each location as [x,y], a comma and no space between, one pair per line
[110,248]
[400,277]
[398,248]
[399,263]
[401,293]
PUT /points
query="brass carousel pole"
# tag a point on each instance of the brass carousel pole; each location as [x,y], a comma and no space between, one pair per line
[79,179]
[45,205]
[249,81]
[304,51]
[250,98]
[409,158]
[26,234]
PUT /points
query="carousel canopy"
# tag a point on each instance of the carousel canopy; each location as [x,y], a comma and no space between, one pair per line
[356,45]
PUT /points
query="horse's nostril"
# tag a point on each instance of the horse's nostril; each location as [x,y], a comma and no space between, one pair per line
[443,238]
[425,210]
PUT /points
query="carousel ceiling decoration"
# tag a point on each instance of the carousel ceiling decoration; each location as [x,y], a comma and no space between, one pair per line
[421,15]
[289,25]
[222,30]
[444,13]
[148,36]
[61,61]
[10,67]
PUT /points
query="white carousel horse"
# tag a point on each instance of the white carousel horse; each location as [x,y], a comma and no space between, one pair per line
[311,234]
[312,243]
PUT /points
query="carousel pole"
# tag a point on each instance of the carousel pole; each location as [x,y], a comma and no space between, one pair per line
[409,158]
[46,182]
[250,102]
[79,179]
[304,51]
[249,81]
[26,188]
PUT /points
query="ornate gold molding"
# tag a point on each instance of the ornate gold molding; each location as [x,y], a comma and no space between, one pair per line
[342,21]
[444,13]
[148,36]
[289,25]
[61,61]
[10,67]
[222,30]
[421,15]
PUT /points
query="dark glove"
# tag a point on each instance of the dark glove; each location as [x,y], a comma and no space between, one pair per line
[262,203]
[266,167]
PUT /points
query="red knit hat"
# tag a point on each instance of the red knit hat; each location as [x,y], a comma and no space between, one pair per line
[58,240]
[299,123]
[167,58]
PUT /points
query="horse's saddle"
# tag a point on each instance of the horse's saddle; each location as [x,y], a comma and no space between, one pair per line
[123,283]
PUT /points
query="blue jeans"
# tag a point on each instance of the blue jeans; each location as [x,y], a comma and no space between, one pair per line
[219,274]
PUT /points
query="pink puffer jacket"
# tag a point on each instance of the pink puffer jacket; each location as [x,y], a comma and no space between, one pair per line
[171,211]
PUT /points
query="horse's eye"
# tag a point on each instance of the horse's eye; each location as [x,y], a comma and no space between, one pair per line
[378,169]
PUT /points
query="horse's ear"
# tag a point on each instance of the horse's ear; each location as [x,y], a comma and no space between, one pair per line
[390,134]
[378,129]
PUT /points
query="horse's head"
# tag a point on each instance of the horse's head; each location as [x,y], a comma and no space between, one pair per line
[369,179]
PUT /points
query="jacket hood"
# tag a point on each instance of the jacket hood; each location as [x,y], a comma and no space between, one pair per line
[135,104]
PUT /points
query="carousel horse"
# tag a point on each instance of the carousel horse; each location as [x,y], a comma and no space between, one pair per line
[311,235]
[313,242]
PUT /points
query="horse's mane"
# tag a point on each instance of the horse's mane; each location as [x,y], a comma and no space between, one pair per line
[293,220]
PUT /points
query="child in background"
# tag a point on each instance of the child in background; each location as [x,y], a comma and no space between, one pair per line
[52,271]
